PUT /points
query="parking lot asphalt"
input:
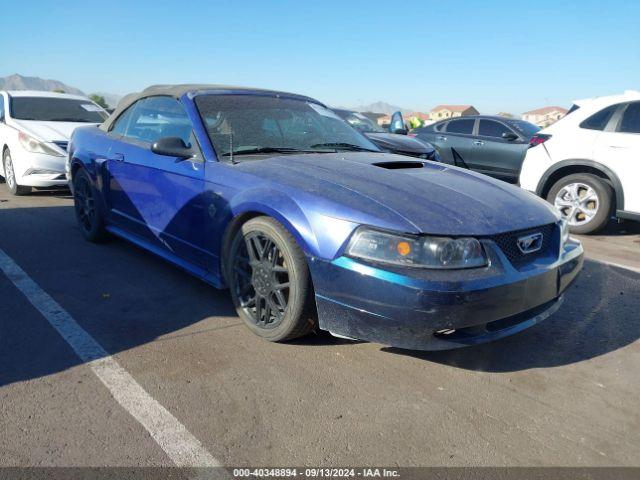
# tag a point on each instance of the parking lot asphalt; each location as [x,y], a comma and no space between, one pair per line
[563,393]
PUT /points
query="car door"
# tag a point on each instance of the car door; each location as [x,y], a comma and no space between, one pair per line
[618,148]
[432,134]
[455,141]
[498,151]
[156,198]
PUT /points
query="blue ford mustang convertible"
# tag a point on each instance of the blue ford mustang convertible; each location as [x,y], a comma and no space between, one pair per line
[310,226]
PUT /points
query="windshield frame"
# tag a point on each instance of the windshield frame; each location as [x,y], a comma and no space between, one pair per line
[13,99]
[365,144]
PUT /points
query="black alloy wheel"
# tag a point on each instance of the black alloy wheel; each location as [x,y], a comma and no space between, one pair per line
[269,280]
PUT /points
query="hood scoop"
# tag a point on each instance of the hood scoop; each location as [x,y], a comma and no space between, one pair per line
[399,165]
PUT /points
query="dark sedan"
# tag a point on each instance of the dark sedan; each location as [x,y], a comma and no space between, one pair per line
[492,145]
[389,142]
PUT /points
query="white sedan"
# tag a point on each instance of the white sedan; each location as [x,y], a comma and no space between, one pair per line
[35,128]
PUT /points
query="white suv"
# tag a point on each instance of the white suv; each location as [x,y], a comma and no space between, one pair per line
[35,128]
[588,163]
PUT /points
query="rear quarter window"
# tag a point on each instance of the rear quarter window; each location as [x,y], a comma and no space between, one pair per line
[599,120]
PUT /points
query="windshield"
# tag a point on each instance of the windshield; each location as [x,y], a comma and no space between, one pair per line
[51,109]
[246,124]
[361,123]
[525,128]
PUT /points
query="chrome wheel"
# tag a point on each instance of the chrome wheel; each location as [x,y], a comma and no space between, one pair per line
[578,203]
[9,174]
[261,280]
[84,203]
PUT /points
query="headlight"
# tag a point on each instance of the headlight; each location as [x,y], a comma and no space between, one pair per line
[428,252]
[564,232]
[30,144]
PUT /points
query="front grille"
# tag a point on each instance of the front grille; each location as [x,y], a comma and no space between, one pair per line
[508,243]
[63,145]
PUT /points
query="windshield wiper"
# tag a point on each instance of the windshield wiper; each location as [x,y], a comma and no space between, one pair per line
[343,146]
[249,151]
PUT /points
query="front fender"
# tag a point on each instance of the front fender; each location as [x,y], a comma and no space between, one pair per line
[318,235]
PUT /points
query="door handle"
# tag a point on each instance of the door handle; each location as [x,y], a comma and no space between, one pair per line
[478,142]
[442,138]
[118,157]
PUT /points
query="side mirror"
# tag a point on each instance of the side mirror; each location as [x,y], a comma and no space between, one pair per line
[397,124]
[172,147]
[510,136]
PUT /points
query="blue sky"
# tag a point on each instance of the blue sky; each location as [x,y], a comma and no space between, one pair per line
[497,55]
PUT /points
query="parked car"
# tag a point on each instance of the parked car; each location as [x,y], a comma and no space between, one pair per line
[310,226]
[491,145]
[588,163]
[389,142]
[34,131]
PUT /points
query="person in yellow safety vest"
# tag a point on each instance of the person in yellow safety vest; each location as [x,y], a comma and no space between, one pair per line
[415,122]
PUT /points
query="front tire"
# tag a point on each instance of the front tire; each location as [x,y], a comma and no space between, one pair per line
[269,281]
[88,214]
[584,200]
[10,176]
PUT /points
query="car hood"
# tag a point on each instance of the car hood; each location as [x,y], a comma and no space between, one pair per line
[50,131]
[401,143]
[433,198]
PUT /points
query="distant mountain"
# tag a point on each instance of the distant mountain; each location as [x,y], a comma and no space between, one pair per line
[18,82]
[112,99]
[380,107]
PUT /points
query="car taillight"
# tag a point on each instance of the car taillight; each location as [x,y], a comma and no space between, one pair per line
[412,134]
[538,139]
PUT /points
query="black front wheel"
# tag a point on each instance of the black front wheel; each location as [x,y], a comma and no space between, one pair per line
[269,281]
[87,213]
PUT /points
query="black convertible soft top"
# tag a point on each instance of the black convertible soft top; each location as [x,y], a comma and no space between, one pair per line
[177,90]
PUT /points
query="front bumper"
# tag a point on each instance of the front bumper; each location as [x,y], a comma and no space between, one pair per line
[39,170]
[437,310]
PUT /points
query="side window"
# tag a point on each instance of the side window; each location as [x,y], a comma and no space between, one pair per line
[461,126]
[631,119]
[440,127]
[2,107]
[119,127]
[158,117]
[489,128]
[599,120]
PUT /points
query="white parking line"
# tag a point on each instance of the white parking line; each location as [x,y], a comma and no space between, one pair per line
[179,444]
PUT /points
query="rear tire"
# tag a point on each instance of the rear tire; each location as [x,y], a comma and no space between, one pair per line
[10,176]
[585,200]
[269,280]
[87,210]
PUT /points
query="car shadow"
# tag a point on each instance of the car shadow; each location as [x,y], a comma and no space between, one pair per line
[620,229]
[599,315]
[125,297]
[61,192]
